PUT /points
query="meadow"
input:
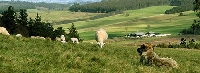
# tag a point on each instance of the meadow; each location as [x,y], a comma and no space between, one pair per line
[119,55]
[137,21]
[57,16]
[36,55]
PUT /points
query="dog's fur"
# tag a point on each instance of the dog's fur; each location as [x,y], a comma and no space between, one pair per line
[149,57]
[144,47]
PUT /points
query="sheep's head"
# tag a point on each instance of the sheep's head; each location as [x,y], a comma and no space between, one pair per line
[100,44]
[144,47]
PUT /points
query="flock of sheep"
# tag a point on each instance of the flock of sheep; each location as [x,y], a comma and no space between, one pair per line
[100,36]
[147,55]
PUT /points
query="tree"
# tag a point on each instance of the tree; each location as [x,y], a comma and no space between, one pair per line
[8,20]
[58,32]
[39,28]
[22,23]
[73,33]
[195,27]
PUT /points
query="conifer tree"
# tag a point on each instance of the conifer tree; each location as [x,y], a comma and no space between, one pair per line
[22,23]
[8,19]
[73,33]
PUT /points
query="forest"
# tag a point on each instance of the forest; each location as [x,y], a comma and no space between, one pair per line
[29,5]
[106,6]
[110,6]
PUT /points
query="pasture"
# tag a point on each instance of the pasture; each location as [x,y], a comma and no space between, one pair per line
[119,55]
[37,55]
[56,16]
[138,20]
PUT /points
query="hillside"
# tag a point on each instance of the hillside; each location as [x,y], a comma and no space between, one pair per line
[55,17]
[136,21]
[37,55]
[30,5]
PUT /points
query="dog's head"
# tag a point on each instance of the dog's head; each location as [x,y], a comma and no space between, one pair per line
[144,47]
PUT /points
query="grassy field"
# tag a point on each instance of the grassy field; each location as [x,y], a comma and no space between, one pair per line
[56,16]
[36,55]
[137,21]
[26,55]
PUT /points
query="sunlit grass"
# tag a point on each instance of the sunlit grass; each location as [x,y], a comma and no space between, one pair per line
[56,16]
[37,55]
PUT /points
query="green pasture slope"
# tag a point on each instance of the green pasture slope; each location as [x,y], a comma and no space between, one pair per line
[56,16]
[26,55]
[136,21]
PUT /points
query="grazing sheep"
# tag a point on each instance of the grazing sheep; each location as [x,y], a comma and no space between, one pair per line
[48,38]
[62,37]
[4,31]
[74,40]
[18,35]
[149,57]
[58,39]
[100,37]
[38,37]
[33,37]
[42,38]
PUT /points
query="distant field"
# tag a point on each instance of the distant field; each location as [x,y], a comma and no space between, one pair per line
[137,21]
[56,16]
[118,55]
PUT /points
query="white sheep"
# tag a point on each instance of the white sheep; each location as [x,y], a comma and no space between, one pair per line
[58,39]
[74,40]
[18,35]
[4,31]
[33,36]
[62,37]
[100,37]
[42,38]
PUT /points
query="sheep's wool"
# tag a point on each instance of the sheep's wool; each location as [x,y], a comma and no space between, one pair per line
[100,37]
[4,31]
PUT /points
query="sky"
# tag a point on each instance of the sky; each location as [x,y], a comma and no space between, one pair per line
[56,1]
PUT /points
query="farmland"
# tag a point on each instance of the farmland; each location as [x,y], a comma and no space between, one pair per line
[28,55]
[137,21]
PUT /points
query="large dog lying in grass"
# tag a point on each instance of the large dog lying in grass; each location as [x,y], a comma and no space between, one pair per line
[149,57]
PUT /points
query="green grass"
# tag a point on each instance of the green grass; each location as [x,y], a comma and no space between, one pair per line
[119,56]
[137,21]
[56,16]
[37,55]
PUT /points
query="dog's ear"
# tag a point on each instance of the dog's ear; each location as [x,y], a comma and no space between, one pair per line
[139,50]
[143,46]
[148,46]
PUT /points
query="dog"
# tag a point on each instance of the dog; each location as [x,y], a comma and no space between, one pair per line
[144,47]
[149,57]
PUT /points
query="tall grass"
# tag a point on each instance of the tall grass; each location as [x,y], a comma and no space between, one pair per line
[37,55]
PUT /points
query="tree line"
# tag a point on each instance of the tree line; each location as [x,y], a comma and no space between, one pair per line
[195,27]
[181,6]
[18,23]
[30,5]
[116,5]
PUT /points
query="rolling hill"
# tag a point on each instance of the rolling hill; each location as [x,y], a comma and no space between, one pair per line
[28,55]
[120,25]
[19,54]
